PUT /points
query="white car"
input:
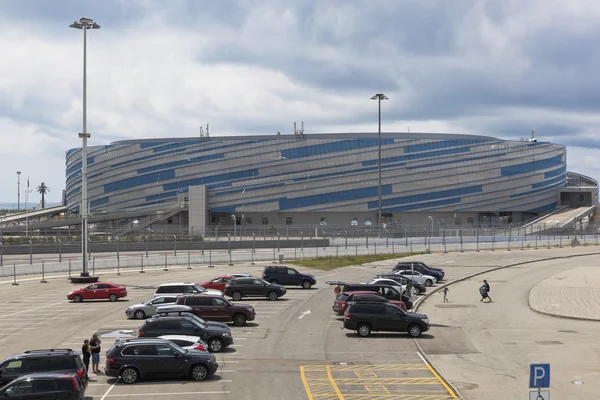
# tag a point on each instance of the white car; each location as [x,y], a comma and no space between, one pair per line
[148,308]
[186,342]
[418,277]
[184,288]
[383,281]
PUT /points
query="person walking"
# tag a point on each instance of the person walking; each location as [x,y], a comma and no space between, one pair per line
[86,354]
[485,291]
[337,291]
[95,350]
[445,291]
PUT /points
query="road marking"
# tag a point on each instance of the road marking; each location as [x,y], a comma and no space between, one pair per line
[162,394]
[28,310]
[110,389]
[450,391]
[335,387]
[305,383]
[236,345]
[303,314]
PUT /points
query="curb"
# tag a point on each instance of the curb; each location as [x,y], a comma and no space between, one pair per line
[419,301]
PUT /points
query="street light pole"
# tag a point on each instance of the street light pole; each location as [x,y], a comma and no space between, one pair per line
[379,97]
[84,24]
[18,190]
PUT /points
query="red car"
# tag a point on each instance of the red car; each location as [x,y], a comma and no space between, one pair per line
[98,291]
[345,298]
[217,283]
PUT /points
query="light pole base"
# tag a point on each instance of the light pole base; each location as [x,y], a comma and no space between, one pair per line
[84,279]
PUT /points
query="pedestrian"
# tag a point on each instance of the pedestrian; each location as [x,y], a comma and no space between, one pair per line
[86,354]
[484,290]
[445,291]
[95,350]
[337,291]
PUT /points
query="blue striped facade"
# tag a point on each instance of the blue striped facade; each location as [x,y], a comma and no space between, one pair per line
[331,172]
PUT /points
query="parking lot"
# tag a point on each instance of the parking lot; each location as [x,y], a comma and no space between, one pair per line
[293,350]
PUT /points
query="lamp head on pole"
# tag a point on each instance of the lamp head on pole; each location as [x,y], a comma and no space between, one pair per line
[85,23]
[379,96]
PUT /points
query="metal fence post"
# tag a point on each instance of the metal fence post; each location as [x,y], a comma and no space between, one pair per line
[166,262]
[175,245]
[274,259]
[301,241]
[210,265]
[336,250]
[324,239]
[444,240]
[522,240]
[461,240]
[375,247]
[253,245]
[189,263]
[536,238]
[509,239]
[202,241]
[346,241]
[93,265]
[1,254]
[69,269]
[387,237]
[30,253]
[278,238]
[59,251]
[142,264]
[393,250]
[493,238]
[406,236]
[118,248]
[477,232]
[367,240]
[548,237]
[356,247]
[15,275]
[43,273]
[146,246]
[287,233]
[118,267]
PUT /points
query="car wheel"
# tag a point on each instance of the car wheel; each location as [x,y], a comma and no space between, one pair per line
[274,281]
[306,285]
[215,345]
[130,375]
[77,298]
[415,291]
[428,282]
[414,330]
[199,372]
[139,314]
[112,297]
[237,296]
[239,319]
[363,330]
[273,296]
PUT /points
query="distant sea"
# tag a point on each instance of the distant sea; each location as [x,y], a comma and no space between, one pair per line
[13,205]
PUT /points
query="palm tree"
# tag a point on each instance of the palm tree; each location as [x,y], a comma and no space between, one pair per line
[43,189]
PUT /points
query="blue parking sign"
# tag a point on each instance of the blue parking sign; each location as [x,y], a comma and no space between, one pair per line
[539,376]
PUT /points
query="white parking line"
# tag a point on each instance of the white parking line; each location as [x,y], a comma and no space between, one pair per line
[236,345]
[170,394]
[28,310]
[110,389]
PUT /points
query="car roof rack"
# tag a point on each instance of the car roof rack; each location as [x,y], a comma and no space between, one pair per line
[46,350]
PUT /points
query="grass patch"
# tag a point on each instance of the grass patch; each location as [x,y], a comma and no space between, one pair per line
[331,263]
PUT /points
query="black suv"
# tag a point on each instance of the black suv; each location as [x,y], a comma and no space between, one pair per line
[437,273]
[133,359]
[253,287]
[365,318]
[45,385]
[217,338]
[288,276]
[45,360]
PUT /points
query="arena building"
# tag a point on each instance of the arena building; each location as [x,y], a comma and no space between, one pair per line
[312,179]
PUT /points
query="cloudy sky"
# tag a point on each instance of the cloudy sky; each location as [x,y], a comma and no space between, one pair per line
[162,68]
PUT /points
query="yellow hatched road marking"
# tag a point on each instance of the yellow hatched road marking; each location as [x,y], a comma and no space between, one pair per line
[397,396]
[335,387]
[305,383]
[378,367]
[376,389]
[365,374]
[454,396]
[387,381]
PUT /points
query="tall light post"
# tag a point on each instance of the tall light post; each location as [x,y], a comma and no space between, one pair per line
[379,97]
[84,24]
[18,190]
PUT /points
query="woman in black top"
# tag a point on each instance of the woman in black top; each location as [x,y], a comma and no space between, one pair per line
[86,354]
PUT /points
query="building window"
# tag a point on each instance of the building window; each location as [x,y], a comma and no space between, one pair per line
[470,220]
[248,220]
[457,220]
[264,221]
[213,219]
[288,220]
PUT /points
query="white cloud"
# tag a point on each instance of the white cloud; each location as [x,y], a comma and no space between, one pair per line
[246,67]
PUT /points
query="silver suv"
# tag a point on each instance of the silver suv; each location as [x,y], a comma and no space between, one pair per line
[148,308]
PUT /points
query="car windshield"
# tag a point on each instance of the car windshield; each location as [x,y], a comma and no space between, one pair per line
[177,347]
[263,281]
[200,289]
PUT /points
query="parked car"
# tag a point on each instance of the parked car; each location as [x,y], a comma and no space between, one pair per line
[345,298]
[64,361]
[186,311]
[240,275]
[253,287]
[437,273]
[389,292]
[45,385]
[148,308]
[418,288]
[183,288]
[135,359]
[217,338]
[186,342]
[98,291]
[416,276]
[217,283]
[288,277]
[390,282]
[216,308]
[365,318]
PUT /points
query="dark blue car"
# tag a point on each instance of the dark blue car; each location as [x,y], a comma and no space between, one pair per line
[287,276]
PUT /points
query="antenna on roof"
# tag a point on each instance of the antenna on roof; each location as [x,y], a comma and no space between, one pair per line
[203,134]
[299,133]
[533,139]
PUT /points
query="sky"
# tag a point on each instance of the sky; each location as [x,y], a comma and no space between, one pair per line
[160,68]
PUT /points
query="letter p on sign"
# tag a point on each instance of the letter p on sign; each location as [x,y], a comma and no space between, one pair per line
[539,376]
